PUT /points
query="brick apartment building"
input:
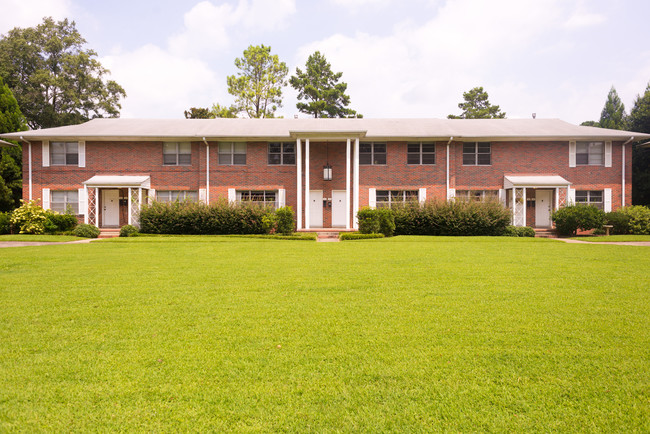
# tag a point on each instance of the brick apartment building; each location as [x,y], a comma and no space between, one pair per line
[326,169]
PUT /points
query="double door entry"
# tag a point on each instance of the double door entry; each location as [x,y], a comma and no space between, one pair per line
[330,209]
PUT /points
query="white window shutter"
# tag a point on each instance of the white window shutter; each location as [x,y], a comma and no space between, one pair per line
[451,193]
[202,195]
[45,201]
[502,196]
[46,154]
[572,154]
[152,195]
[608,154]
[571,198]
[83,202]
[372,198]
[232,195]
[82,153]
[422,195]
[282,197]
[607,200]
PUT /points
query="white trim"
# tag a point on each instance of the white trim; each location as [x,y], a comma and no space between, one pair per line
[502,196]
[307,191]
[130,219]
[298,184]
[45,198]
[372,198]
[572,154]
[355,185]
[347,183]
[81,148]
[422,195]
[202,194]
[83,202]
[557,198]
[608,154]
[570,196]
[607,199]
[623,175]
[151,196]
[45,145]
[451,193]
[85,214]
[207,171]
[232,195]
[29,150]
[525,205]
[282,197]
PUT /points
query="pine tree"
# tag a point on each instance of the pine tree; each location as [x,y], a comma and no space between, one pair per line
[613,114]
[477,106]
[11,180]
[639,121]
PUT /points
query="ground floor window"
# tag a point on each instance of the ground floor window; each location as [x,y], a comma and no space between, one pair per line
[65,201]
[477,195]
[590,197]
[177,195]
[389,198]
[258,197]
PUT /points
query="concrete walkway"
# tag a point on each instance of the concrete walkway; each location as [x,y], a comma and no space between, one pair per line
[616,243]
[41,243]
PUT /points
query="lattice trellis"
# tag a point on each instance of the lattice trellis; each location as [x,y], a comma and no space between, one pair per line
[519,206]
[562,197]
[92,204]
[136,193]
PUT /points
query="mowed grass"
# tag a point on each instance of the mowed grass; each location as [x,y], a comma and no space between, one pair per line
[40,238]
[403,334]
[613,238]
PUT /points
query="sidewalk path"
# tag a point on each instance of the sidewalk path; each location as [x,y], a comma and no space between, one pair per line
[40,243]
[617,243]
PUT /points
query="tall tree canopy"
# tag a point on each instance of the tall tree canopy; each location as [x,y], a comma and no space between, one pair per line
[257,87]
[613,114]
[11,180]
[477,106]
[639,121]
[55,80]
[217,111]
[321,88]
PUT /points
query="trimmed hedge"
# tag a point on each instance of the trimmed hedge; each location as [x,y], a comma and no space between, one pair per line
[638,219]
[348,236]
[129,231]
[573,217]
[59,222]
[5,223]
[86,231]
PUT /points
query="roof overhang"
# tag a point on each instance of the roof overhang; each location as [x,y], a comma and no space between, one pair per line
[548,181]
[113,181]
[325,136]
[3,143]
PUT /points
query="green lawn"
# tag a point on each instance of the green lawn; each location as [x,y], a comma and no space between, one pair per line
[404,334]
[40,238]
[613,238]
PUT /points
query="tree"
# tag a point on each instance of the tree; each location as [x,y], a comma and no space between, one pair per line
[613,114]
[54,79]
[257,87]
[11,179]
[217,111]
[590,124]
[639,121]
[320,86]
[477,106]
[198,113]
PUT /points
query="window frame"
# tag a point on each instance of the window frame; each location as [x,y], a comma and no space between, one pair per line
[476,153]
[589,154]
[283,154]
[470,195]
[255,193]
[373,154]
[185,197]
[408,196]
[178,154]
[231,153]
[421,153]
[70,158]
[588,193]
[66,202]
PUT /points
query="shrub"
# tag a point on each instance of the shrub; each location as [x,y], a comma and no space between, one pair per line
[5,223]
[510,231]
[368,221]
[620,222]
[573,217]
[285,220]
[639,219]
[525,231]
[347,236]
[29,218]
[386,221]
[86,231]
[59,222]
[128,231]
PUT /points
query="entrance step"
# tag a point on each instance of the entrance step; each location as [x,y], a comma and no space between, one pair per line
[109,232]
[545,233]
[327,236]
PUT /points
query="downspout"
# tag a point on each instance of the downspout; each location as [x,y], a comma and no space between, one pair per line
[448,143]
[623,170]
[29,158]
[207,172]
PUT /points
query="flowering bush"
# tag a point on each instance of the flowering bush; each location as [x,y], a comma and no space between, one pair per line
[29,218]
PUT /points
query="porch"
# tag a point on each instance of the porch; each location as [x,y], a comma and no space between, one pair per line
[533,199]
[115,200]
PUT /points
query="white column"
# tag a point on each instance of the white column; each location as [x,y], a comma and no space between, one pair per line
[525,206]
[207,173]
[347,185]
[623,174]
[557,198]
[129,205]
[298,184]
[97,206]
[307,201]
[86,210]
[355,185]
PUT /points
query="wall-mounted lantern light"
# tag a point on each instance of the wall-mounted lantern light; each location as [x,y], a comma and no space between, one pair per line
[327,172]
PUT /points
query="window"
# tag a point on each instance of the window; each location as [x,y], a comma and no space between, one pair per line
[64,201]
[177,153]
[587,197]
[257,197]
[282,153]
[177,196]
[372,153]
[232,153]
[477,154]
[390,198]
[421,153]
[477,195]
[590,153]
[64,153]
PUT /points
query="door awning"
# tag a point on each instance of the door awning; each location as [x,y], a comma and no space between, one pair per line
[510,181]
[119,181]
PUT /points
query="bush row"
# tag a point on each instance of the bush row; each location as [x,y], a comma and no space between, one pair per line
[347,236]
[627,220]
[519,231]
[30,218]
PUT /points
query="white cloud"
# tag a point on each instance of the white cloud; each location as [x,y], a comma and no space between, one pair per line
[28,13]
[578,20]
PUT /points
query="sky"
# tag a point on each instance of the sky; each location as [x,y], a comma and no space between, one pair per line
[400,58]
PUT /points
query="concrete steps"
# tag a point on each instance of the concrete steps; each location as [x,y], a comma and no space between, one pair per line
[109,232]
[545,233]
[328,236]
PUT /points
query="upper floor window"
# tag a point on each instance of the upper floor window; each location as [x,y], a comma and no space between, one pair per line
[590,153]
[64,153]
[65,201]
[257,197]
[372,153]
[232,153]
[282,153]
[389,198]
[421,153]
[177,196]
[177,153]
[587,197]
[477,154]
[477,195]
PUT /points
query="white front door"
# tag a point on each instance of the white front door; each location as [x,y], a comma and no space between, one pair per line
[110,207]
[543,200]
[316,208]
[338,209]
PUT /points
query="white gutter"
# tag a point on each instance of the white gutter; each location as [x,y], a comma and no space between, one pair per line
[207,172]
[448,143]
[29,152]
[623,170]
